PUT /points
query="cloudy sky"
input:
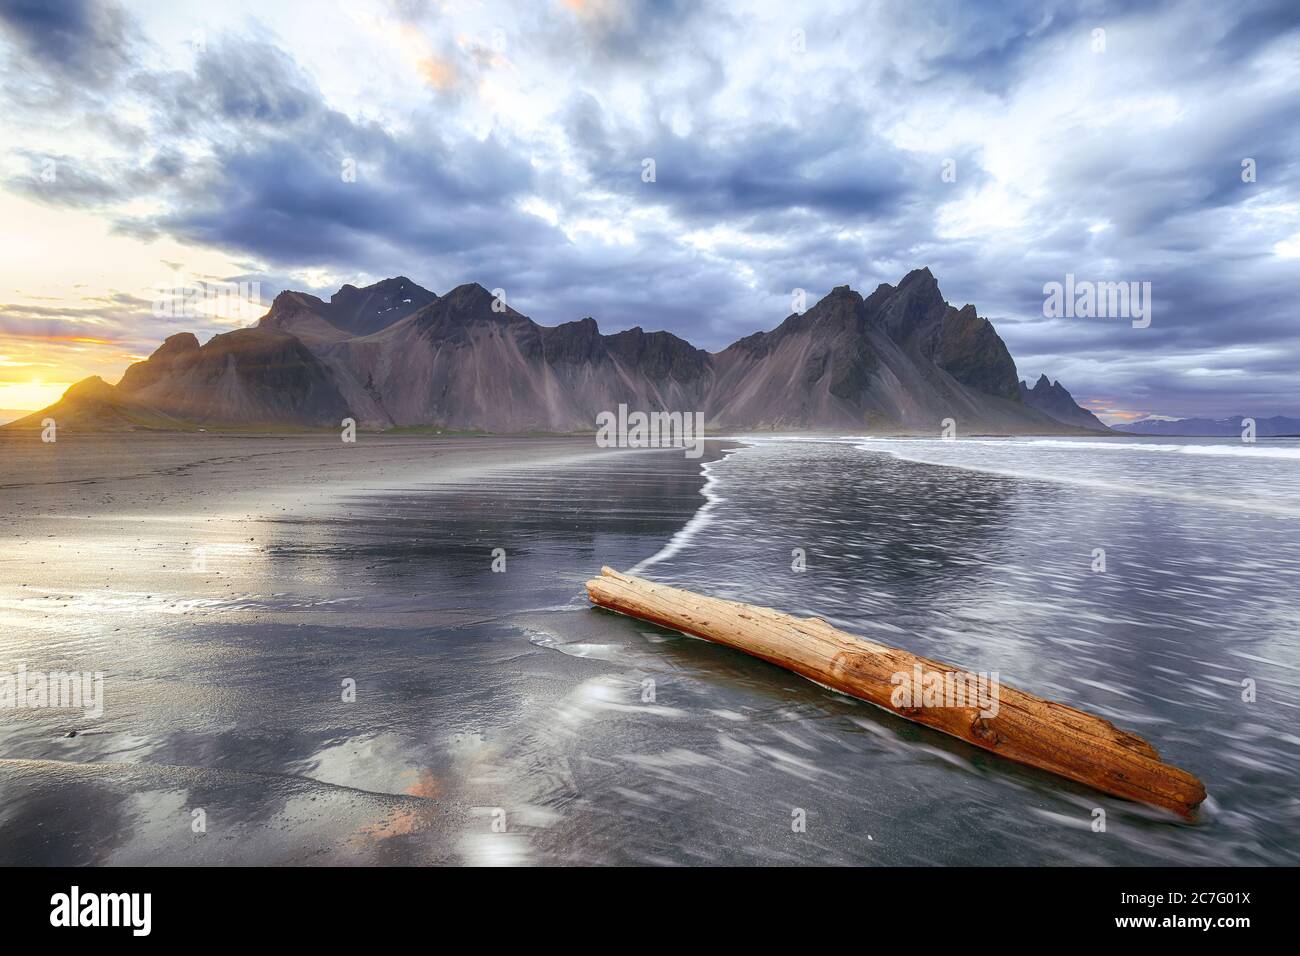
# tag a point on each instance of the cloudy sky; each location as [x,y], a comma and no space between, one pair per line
[307,144]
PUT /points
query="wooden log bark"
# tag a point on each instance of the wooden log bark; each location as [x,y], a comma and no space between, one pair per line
[1025,728]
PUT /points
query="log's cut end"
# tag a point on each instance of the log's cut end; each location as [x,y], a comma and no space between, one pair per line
[1025,728]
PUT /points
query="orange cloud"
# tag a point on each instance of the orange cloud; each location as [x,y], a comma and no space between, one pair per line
[589,9]
[1105,409]
[77,339]
[437,71]
[36,369]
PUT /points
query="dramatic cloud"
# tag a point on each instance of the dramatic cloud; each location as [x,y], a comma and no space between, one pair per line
[84,40]
[687,166]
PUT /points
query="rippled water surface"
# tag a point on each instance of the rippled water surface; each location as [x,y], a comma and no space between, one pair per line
[499,719]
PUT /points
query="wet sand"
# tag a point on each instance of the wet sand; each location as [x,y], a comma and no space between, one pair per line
[213,473]
[228,585]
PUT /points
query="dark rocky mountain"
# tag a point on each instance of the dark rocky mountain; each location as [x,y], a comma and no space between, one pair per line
[901,359]
[1052,398]
[1275,427]
[352,310]
[460,364]
[257,376]
[394,354]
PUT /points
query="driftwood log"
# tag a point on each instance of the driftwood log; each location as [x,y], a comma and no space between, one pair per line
[1024,728]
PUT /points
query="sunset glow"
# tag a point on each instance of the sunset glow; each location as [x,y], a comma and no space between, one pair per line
[28,396]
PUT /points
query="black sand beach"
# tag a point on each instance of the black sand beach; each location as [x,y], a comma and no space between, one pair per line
[308,656]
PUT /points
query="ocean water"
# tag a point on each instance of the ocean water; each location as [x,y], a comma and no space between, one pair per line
[497,718]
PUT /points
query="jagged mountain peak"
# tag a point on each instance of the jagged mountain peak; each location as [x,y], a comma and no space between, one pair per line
[842,291]
[467,304]
[921,286]
[1043,385]
[382,285]
[293,298]
[908,309]
[178,343]
[918,295]
[92,387]
[842,304]
[470,292]
[1052,398]
[922,277]
[375,307]
[351,310]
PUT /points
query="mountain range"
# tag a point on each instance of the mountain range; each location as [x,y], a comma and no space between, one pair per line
[394,354]
[1275,427]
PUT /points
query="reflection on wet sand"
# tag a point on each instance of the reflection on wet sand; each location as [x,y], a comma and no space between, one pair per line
[225,673]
